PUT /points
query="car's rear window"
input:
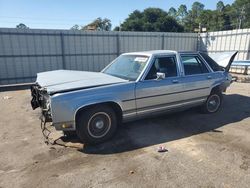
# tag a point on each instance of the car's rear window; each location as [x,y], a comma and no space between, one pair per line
[211,62]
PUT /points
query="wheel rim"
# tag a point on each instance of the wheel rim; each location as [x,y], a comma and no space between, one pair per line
[213,103]
[99,125]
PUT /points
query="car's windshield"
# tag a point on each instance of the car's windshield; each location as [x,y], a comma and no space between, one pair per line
[127,67]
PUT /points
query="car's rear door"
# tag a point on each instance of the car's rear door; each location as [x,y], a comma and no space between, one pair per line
[197,78]
[154,95]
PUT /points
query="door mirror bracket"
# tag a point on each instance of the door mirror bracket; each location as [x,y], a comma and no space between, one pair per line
[160,76]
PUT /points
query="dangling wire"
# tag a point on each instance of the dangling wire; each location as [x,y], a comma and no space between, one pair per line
[45,131]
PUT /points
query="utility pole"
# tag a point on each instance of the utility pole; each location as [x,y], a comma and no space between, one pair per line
[242,12]
[200,30]
[199,27]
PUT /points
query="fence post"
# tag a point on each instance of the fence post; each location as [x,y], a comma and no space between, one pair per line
[245,70]
[198,42]
[63,50]
[118,44]
[162,41]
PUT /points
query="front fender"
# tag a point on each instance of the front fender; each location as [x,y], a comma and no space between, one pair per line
[64,106]
[64,111]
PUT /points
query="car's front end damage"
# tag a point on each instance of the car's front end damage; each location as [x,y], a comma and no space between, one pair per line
[57,94]
[40,98]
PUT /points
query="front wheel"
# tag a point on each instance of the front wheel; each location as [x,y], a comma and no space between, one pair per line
[96,124]
[213,103]
[69,134]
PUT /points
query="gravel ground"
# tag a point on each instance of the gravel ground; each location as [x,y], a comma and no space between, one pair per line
[203,150]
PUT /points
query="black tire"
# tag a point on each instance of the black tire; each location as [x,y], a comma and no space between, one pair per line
[96,125]
[213,103]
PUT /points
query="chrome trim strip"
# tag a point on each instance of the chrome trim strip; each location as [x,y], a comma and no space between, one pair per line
[127,100]
[129,114]
[172,106]
[173,93]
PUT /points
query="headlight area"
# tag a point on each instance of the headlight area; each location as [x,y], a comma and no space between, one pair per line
[46,109]
[40,98]
[46,116]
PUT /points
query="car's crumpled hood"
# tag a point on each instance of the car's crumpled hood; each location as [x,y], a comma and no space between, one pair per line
[66,80]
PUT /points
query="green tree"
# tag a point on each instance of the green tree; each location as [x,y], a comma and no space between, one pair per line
[22,26]
[151,19]
[99,24]
[182,13]
[220,6]
[75,27]
[228,17]
[197,8]
[135,14]
[214,20]
[241,13]
[221,19]
[224,17]
[117,28]
[172,12]
[134,22]
[192,20]
[206,18]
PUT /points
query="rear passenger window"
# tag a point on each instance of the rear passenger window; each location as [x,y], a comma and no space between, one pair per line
[193,65]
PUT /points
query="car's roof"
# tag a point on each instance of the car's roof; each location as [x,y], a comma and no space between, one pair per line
[157,52]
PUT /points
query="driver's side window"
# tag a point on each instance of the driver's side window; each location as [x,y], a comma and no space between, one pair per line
[166,65]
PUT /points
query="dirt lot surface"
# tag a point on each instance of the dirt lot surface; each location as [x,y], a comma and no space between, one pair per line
[203,150]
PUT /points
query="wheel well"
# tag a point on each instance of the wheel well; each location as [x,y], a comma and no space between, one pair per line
[216,89]
[116,107]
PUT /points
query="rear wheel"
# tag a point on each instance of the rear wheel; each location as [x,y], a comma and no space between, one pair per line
[213,103]
[96,124]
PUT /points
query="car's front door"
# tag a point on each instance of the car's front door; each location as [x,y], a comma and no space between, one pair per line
[154,95]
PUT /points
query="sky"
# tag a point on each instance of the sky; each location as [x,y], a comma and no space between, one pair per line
[63,14]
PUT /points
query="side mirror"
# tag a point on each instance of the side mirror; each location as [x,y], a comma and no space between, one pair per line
[160,76]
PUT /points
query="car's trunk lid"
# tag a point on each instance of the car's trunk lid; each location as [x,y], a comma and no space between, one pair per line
[224,59]
[66,80]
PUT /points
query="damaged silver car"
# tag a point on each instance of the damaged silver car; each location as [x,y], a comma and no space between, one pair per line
[134,85]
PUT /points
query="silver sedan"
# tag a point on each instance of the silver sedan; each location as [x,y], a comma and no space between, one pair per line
[134,85]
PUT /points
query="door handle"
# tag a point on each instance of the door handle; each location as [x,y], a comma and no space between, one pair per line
[209,77]
[175,81]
